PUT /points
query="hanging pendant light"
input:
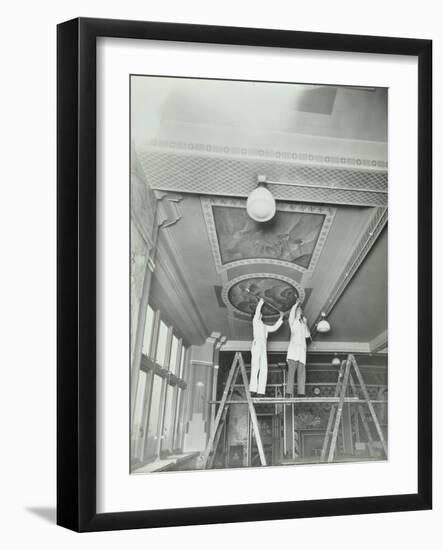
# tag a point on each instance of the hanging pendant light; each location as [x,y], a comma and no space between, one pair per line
[260,205]
[323,324]
[335,361]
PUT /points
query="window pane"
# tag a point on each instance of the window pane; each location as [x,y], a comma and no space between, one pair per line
[138,424]
[182,362]
[154,412]
[161,346]
[168,426]
[173,358]
[148,331]
[179,420]
[183,367]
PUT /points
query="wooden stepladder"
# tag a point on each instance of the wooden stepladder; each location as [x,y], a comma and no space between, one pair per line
[208,456]
[345,379]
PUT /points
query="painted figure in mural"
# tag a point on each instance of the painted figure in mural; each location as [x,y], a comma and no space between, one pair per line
[291,237]
[259,359]
[279,295]
[296,356]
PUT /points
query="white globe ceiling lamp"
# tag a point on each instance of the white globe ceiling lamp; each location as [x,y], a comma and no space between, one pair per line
[335,361]
[323,325]
[260,205]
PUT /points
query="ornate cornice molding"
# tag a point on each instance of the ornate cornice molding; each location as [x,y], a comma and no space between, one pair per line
[304,157]
[169,211]
[237,177]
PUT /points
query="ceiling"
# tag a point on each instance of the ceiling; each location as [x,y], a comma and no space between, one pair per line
[201,143]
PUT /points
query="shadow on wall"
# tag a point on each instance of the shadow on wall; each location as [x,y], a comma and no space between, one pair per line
[46,513]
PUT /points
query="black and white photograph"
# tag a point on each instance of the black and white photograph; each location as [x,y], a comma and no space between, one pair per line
[258,274]
[221,274]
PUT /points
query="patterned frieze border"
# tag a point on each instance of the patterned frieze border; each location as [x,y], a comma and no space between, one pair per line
[237,177]
[256,152]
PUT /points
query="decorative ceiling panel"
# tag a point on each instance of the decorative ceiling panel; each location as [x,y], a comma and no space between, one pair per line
[237,177]
[241,295]
[294,238]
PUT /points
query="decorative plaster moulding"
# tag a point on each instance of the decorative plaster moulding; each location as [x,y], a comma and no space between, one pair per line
[359,182]
[302,157]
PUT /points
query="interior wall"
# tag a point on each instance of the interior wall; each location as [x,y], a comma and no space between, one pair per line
[144,234]
[204,361]
[170,294]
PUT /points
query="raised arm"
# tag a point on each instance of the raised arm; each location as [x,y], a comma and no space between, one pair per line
[292,312]
[258,310]
[276,325]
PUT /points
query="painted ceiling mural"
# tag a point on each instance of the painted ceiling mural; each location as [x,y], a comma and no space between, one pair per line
[294,238]
[290,236]
[279,294]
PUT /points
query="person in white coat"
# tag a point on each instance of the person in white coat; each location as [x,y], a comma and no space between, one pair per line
[296,356]
[259,359]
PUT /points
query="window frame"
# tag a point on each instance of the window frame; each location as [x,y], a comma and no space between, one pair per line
[170,383]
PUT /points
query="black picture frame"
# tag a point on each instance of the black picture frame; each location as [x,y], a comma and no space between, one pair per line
[76,266]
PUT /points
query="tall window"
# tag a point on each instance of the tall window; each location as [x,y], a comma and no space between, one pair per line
[182,362]
[161,344]
[157,427]
[173,358]
[154,416]
[138,424]
[147,336]
[171,394]
[179,420]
